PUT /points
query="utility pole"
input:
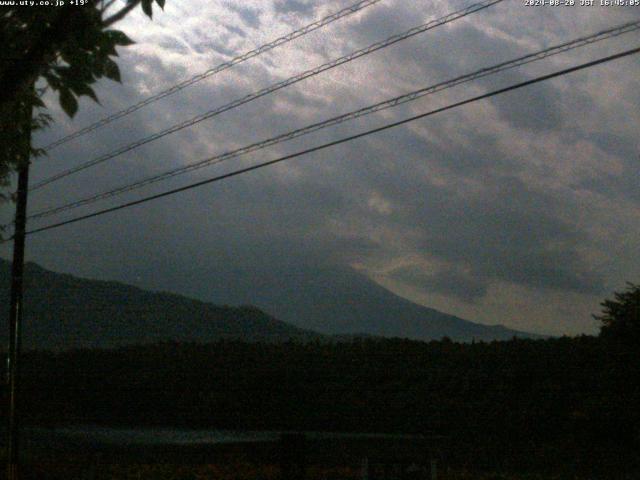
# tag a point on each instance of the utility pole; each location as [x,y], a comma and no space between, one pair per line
[15,317]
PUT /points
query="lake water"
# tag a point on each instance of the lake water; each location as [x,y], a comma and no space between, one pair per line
[170,445]
[90,434]
[154,436]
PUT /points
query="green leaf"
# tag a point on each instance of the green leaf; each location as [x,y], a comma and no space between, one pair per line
[106,45]
[84,89]
[160,3]
[68,102]
[147,7]
[72,55]
[80,74]
[38,152]
[111,70]
[75,76]
[52,79]
[118,38]
[37,102]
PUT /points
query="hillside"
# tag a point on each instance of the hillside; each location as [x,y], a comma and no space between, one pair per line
[63,311]
[340,301]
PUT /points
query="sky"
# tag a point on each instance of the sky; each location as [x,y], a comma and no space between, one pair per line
[521,210]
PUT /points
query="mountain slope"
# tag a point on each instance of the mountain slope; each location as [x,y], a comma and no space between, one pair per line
[334,300]
[63,311]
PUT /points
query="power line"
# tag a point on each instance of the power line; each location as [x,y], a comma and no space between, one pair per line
[414,95]
[356,7]
[340,141]
[272,88]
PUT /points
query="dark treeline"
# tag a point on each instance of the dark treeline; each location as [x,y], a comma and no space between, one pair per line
[568,403]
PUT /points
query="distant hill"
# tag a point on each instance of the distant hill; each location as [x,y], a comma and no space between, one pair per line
[340,301]
[63,311]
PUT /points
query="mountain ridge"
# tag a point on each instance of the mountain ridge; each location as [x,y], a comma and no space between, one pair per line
[337,300]
[63,311]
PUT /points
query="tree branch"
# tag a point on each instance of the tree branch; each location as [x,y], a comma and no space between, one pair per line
[116,17]
[18,79]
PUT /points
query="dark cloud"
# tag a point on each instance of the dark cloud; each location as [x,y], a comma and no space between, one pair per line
[445,281]
[218,48]
[512,233]
[534,108]
[306,8]
[493,195]
[249,15]
[625,149]
[236,30]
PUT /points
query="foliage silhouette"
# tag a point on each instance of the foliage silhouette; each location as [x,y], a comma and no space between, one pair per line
[69,48]
[524,405]
[620,317]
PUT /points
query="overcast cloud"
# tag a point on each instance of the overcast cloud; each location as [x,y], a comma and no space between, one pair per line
[521,210]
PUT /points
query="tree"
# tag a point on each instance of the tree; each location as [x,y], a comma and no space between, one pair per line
[620,317]
[69,47]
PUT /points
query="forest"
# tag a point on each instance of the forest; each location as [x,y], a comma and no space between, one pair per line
[565,404]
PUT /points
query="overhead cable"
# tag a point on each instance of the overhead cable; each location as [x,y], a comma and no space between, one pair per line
[337,142]
[356,7]
[408,97]
[270,89]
